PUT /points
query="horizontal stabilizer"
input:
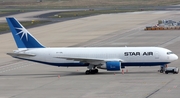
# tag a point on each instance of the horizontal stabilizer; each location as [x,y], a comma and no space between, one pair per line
[20,55]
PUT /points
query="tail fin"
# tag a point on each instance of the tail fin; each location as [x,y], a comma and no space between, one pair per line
[21,36]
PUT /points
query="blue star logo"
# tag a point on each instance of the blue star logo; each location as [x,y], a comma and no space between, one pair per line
[24,32]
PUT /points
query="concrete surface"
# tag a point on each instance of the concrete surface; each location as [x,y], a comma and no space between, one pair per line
[23,79]
[28,16]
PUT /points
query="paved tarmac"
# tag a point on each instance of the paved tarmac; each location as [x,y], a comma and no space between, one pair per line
[28,16]
[24,79]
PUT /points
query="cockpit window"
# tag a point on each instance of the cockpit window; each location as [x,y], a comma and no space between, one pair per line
[170,53]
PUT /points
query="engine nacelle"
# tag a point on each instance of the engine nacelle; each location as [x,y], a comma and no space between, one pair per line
[111,66]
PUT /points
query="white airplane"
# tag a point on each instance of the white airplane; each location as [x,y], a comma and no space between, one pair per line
[109,58]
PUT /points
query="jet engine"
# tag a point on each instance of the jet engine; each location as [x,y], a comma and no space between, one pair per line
[111,66]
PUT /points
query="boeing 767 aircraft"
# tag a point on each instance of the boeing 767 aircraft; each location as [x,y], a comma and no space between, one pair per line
[108,58]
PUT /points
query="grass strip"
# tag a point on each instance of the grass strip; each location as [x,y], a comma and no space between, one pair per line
[5,28]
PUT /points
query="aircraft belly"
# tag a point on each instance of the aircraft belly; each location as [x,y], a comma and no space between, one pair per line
[144,63]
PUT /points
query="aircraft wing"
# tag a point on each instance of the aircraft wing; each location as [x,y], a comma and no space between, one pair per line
[94,61]
[21,55]
[80,58]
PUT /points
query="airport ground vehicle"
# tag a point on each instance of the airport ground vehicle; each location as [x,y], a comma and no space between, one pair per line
[173,70]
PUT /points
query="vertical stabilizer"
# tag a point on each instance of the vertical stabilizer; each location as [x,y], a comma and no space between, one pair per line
[21,36]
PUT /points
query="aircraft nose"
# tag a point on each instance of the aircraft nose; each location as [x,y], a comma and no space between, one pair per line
[174,57]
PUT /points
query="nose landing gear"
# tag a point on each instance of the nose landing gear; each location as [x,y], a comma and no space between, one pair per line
[162,68]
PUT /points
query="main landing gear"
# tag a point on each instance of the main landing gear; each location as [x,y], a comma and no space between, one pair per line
[92,70]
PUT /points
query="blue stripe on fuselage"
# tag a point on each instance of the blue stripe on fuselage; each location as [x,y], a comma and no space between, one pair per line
[87,64]
[144,63]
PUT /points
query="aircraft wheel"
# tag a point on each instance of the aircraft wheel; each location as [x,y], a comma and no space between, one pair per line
[93,71]
[87,72]
[161,71]
[96,70]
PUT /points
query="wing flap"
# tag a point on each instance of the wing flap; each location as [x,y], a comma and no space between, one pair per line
[80,58]
[94,61]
